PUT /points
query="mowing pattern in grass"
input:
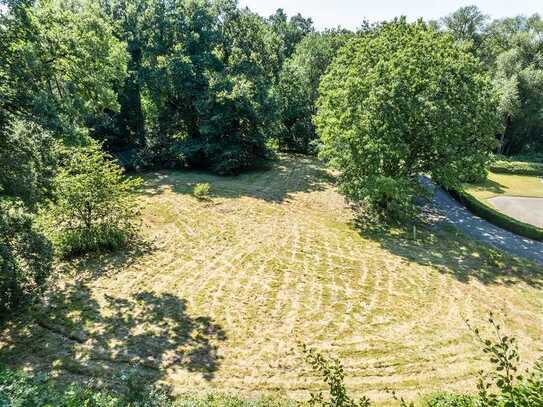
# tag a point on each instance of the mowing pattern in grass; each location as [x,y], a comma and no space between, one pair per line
[228,287]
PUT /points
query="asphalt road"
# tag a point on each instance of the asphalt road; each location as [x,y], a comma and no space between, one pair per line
[456,214]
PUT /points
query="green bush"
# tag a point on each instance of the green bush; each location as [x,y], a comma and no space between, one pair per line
[18,389]
[201,191]
[334,376]
[497,218]
[94,207]
[532,157]
[517,167]
[97,238]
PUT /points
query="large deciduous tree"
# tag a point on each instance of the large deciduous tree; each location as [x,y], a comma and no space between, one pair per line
[59,62]
[466,24]
[290,32]
[401,101]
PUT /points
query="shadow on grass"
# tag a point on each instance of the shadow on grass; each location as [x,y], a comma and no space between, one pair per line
[289,174]
[490,186]
[94,265]
[80,335]
[453,253]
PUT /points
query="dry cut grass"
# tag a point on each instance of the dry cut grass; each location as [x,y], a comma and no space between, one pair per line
[224,290]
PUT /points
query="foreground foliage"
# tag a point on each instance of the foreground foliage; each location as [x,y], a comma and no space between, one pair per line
[401,101]
[504,386]
[18,389]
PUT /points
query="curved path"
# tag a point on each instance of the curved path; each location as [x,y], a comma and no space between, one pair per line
[456,214]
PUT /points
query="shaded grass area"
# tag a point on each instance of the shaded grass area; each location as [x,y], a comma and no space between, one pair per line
[226,289]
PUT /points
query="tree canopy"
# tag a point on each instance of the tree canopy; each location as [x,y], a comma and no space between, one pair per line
[401,101]
[298,86]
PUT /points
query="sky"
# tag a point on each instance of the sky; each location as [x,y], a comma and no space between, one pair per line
[350,13]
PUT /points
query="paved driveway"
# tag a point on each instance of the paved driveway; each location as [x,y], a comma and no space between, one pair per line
[528,210]
[456,214]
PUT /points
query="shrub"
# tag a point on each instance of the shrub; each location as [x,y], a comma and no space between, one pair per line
[451,400]
[333,375]
[533,157]
[23,390]
[517,167]
[20,389]
[497,218]
[505,385]
[201,191]
[400,101]
[94,208]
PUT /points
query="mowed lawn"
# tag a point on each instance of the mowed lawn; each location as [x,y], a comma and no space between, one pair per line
[222,292]
[507,184]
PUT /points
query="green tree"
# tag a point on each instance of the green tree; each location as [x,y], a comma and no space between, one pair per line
[466,24]
[298,86]
[94,207]
[126,128]
[290,32]
[207,92]
[518,80]
[401,101]
[241,113]
[58,64]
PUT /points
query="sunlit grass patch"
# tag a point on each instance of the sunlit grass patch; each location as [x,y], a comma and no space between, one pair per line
[507,184]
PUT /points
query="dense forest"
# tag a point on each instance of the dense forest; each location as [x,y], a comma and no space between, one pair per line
[91,90]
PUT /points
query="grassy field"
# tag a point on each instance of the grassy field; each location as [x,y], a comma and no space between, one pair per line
[221,293]
[507,184]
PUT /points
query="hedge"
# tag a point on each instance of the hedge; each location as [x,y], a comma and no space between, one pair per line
[497,218]
[517,167]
